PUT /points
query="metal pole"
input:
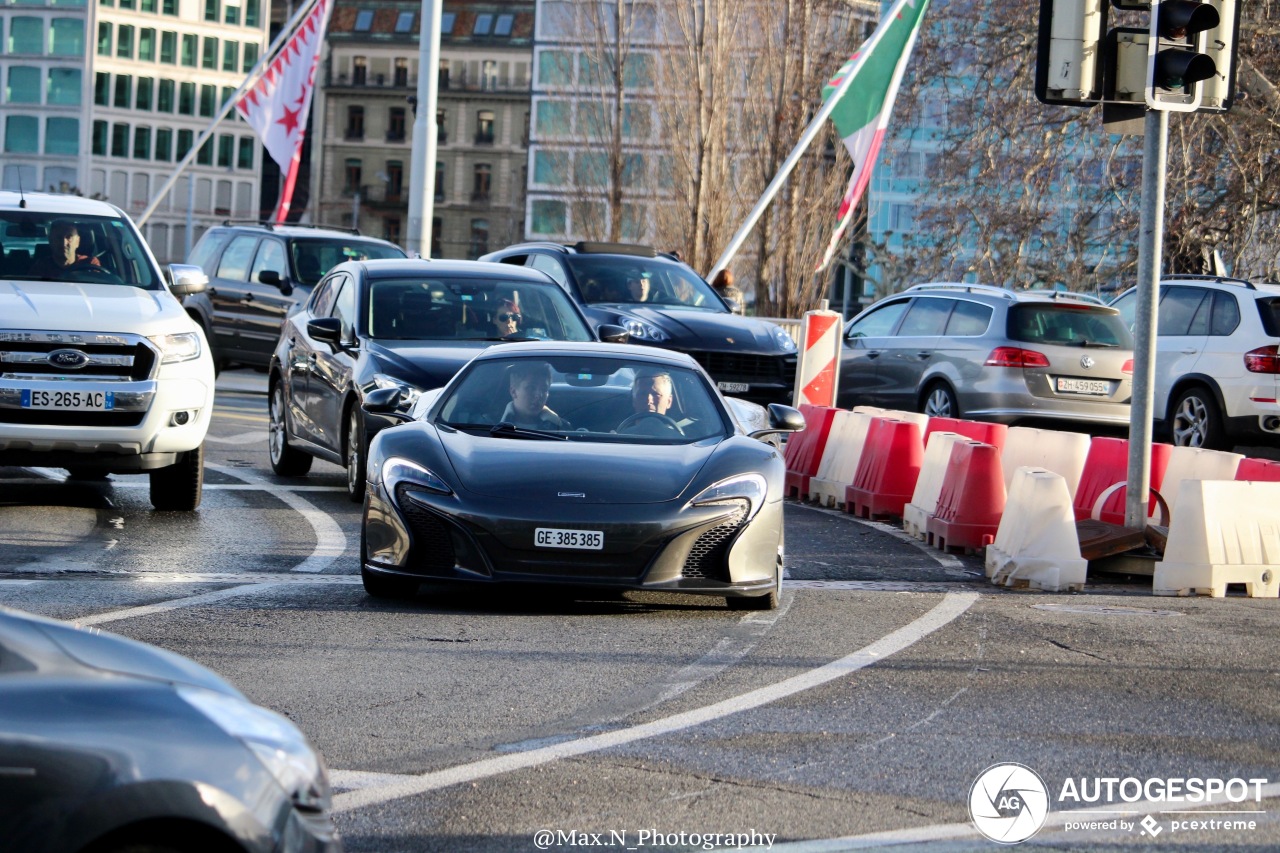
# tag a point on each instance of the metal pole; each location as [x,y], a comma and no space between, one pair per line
[189,239]
[249,81]
[422,164]
[1150,253]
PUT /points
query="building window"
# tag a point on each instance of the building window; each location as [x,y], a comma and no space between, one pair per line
[126,4]
[484,127]
[186,138]
[231,15]
[352,176]
[355,123]
[245,159]
[119,140]
[489,75]
[146,45]
[395,180]
[551,167]
[446,22]
[549,217]
[226,150]
[401,72]
[21,135]
[479,237]
[442,131]
[437,239]
[208,101]
[164,144]
[169,48]
[169,7]
[209,59]
[396,119]
[124,41]
[104,38]
[482,181]
[404,22]
[211,10]
[230,55]
[503,26]
[439,187]
[148,6]
[102,89]
[364,20]
[124,91]
[142,143]
[66,37]
[442,75]
[187,99]
[26,35]
[164,96]
[205,155]
[359,70]
[250,57]
[146,86]
[484,24]
[101,133]
[251,13]
[391,229]
[65,86]
[189,41]
[24,85]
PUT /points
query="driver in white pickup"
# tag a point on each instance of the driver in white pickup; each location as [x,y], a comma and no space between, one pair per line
[64,252]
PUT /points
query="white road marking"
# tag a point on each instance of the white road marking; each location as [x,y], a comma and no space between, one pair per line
[174,604]
[948,831]
[952,606]
[949,561]
[238,438]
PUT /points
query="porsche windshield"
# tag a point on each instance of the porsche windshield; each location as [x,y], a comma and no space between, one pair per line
[39,246]
[586,398]
[632,280]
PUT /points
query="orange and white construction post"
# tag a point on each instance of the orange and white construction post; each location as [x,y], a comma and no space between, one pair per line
[818,372]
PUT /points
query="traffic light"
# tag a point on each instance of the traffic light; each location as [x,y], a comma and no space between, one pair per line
[1177,60]
[1067,69]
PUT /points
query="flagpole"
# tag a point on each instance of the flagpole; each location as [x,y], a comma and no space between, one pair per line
[806,139]
[286,32]
[286,193]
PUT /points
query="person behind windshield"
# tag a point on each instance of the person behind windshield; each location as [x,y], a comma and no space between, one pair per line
[64,252]
[652,393]
[529,384]
[638,287]
[507,319]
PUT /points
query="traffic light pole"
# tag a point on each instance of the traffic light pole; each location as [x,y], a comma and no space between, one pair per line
[1150,242]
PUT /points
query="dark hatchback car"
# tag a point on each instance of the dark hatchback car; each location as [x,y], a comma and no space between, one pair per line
[259,272]
[408,325]
[663,302]
[636,475]
[110,745]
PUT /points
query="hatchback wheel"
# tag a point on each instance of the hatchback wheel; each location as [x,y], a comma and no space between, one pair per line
[940,402]
[286,461]
[356,454]
[1196,421]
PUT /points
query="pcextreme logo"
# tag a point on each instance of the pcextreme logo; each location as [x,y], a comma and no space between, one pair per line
[1008,803]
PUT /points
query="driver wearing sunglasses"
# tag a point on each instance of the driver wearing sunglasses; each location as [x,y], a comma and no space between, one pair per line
[507,318]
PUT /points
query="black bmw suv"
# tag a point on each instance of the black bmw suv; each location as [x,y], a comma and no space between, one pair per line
[663,302]
[258,272]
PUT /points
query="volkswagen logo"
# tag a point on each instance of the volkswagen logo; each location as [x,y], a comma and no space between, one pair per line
[68,359]
[1086,362]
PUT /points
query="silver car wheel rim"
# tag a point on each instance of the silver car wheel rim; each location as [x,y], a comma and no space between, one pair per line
[939,405]
[275,426]
[352,454]
[1189,423]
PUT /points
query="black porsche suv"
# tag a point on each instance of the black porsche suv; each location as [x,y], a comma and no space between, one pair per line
[663,302]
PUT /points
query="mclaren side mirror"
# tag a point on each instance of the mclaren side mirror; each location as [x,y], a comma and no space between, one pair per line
[781,419]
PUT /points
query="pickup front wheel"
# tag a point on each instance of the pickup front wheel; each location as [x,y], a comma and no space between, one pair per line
[178,488]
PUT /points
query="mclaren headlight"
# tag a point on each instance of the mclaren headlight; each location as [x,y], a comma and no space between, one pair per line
[641,330]
[276,742]
[183,346]
[744,487]
[784,340]
[409,393]
[396,470]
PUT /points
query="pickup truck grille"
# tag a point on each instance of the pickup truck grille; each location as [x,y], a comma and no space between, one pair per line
[44,356]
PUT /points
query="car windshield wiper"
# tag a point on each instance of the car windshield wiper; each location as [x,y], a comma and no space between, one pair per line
[1085,342]
[508,338]
[510,430]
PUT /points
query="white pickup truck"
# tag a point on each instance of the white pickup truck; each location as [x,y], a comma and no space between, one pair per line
[101,369]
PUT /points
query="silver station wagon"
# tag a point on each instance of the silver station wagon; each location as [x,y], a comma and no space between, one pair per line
[987,353]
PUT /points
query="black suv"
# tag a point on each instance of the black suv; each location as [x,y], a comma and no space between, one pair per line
[258,272]
[663,302]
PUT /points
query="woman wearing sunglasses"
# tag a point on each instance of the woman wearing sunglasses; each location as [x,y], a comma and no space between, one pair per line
[507,319]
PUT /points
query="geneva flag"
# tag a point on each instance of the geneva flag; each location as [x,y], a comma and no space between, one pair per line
[862,114]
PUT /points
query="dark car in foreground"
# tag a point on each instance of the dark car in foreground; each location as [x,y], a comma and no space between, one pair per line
[258,272]
[663,302]
[113,746]
[404,324]
[624,481]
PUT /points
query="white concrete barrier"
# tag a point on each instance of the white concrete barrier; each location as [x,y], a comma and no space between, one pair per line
[919,419]
[1195,463]
[1036,544]
[924,500]
[1222,532]
[1054,450]
[837,438]
[829,490]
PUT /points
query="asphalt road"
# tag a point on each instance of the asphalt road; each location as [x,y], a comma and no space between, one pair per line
[859,714]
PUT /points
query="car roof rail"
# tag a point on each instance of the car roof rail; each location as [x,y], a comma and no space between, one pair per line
[989,289]
[1073,295]
[585,247]
[273,225]
[1219,279]
[537,244]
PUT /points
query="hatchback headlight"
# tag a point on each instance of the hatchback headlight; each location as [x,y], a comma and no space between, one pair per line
[409,393]
[785,342]
[183,346]
[396,470]
[641,330]
[276,742]
[744,487]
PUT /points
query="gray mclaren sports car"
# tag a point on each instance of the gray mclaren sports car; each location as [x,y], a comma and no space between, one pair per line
[587,465]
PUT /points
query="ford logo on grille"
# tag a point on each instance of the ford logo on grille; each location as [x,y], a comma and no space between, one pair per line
[1086,362]
[68,359]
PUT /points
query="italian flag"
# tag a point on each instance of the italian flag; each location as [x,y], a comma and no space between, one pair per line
[865,88]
